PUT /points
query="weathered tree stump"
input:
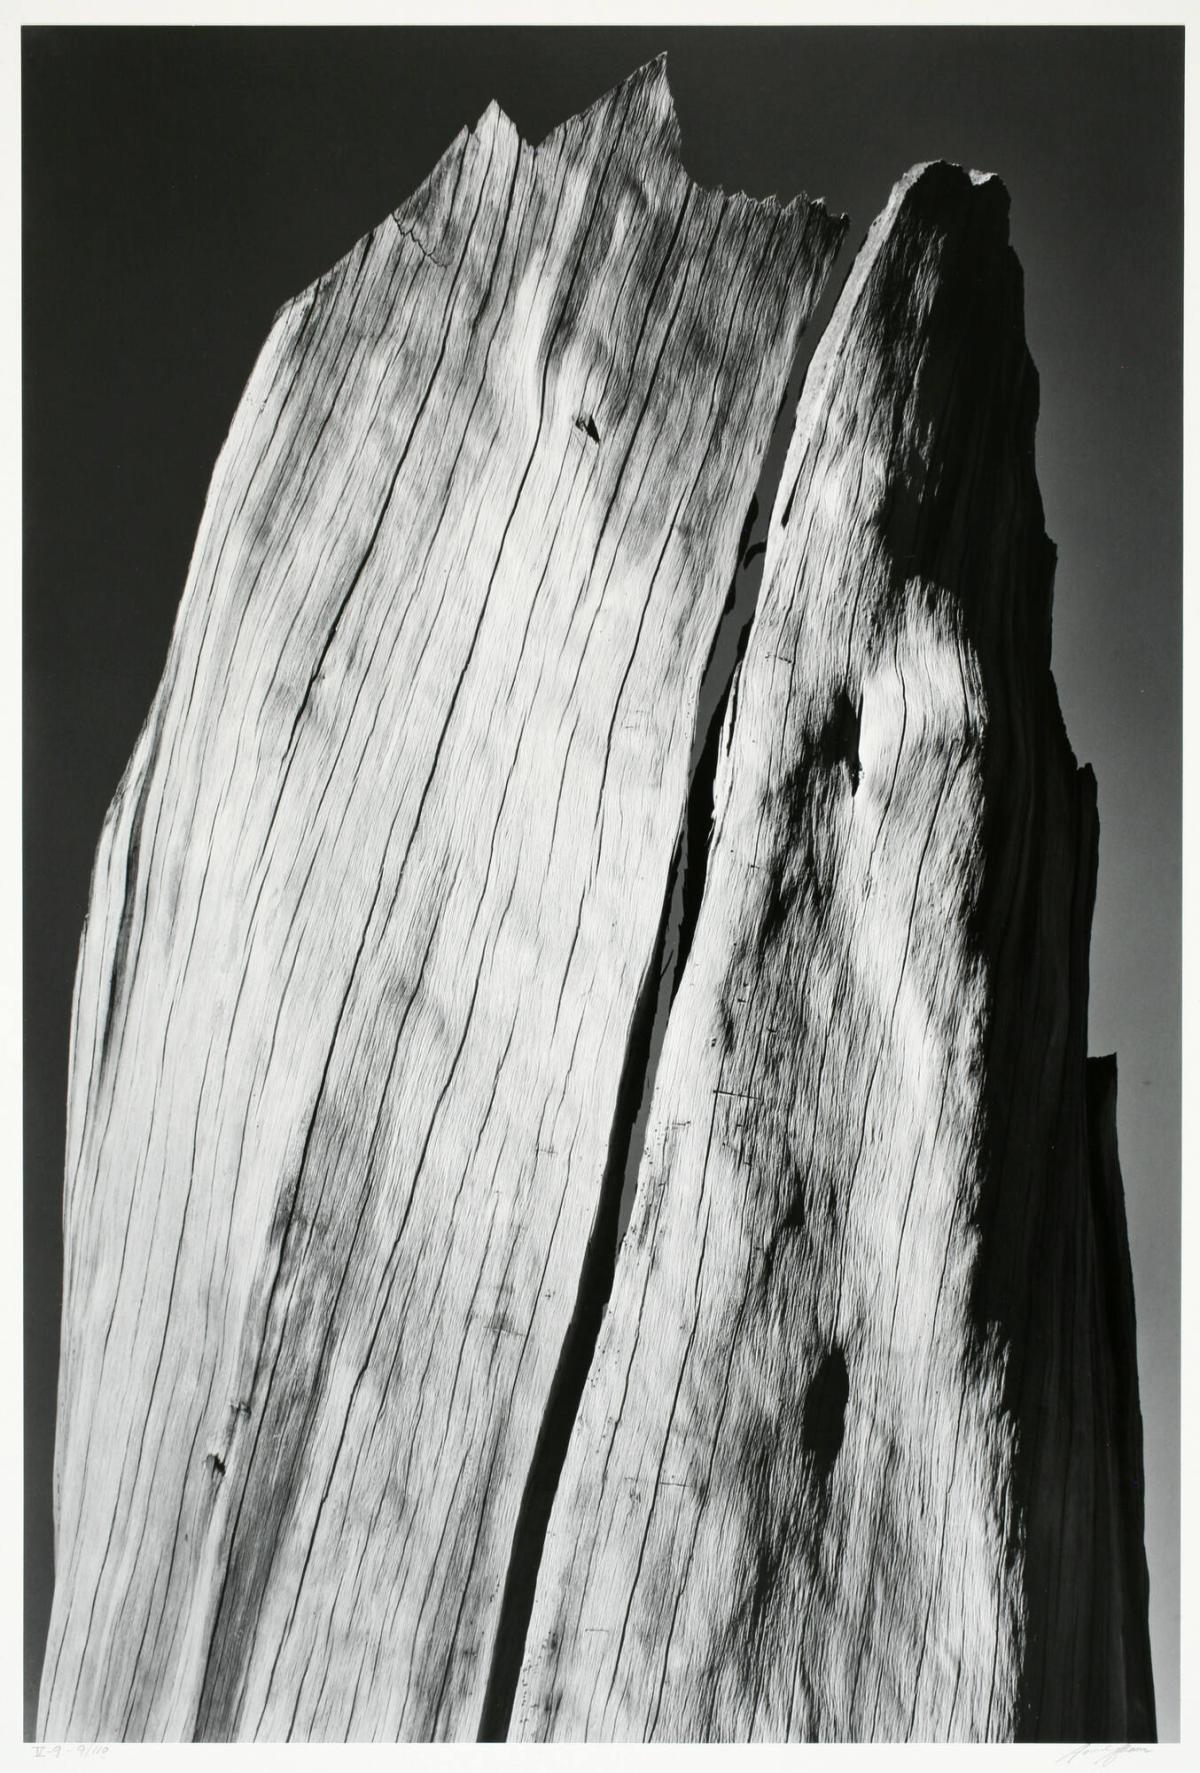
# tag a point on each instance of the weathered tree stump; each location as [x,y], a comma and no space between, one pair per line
[377,935]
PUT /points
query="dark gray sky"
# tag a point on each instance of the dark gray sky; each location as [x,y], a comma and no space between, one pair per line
[178,186]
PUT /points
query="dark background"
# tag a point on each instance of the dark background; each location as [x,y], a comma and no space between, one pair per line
[179,185]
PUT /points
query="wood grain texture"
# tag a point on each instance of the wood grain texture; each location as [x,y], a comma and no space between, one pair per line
[371,920]
[859,1455]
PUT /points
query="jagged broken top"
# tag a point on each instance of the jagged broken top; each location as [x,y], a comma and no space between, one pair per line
[636,120]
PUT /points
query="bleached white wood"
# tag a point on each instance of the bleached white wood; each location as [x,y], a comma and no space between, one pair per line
[845,1466]
[370,922]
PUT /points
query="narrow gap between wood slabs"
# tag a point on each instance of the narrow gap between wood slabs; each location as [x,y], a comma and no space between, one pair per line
[718,686]
[618,1187]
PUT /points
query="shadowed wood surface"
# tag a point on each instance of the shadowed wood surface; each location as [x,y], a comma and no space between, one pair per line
[372,920]
[859,1453]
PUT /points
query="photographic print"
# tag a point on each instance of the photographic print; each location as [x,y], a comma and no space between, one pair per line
[602,720]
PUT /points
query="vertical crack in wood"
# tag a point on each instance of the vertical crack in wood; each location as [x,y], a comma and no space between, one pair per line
[677,924]
[716,715]
[689,866]
[716,711]
[575,1355]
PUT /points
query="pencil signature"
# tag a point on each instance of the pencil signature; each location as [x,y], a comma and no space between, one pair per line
[1102,1754]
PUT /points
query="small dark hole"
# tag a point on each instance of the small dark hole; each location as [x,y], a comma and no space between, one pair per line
[824,1425]
[794,1218]
[838,741]
[587,424]
[217,1464]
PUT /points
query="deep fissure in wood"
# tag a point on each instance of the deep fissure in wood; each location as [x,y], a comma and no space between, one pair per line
[618,1188]
[681,910]
[824,1426]
[574,1362]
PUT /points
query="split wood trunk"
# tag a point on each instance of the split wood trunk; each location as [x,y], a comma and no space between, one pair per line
[370,1424]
